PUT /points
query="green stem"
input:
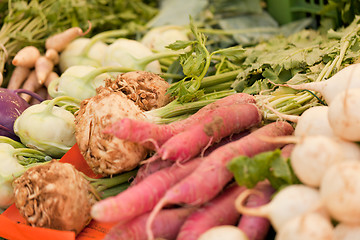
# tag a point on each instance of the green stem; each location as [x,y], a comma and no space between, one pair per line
[12,142]
[104,183]
[220,78]
[143,62]
[219,87]
[238,31]
[175,108]
[51,104]
[114,190]
[171,75]
[94,73]
[101,36]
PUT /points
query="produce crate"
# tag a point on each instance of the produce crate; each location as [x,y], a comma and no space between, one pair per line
[286,11]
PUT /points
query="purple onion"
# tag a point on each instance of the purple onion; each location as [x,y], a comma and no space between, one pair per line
[11,106]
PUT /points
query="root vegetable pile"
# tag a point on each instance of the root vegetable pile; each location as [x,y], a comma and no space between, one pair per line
[55,196]
[187,148]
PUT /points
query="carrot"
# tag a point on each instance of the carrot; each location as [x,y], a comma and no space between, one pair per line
[223,122]
[43,67]
[52,55]
[219,211]
[154,135]
[209,178]
[149,168]
[26,57]
[166,225]
[256,228]
[31,84]
[52,75]
[17,78]
[59,41]
[141,197]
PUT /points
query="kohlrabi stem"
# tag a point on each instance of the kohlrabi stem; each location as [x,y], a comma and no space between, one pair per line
[143,62]
[53,102]
[101,36]
[12,142]
[32,94]
[104,183]
[94,73]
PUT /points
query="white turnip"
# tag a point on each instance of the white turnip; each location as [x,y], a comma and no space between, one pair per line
[314,121]
[340,191]
[226,232]
[347,78]
[290,202]
[313,155]
[346,232]
[344,115]
[306,226]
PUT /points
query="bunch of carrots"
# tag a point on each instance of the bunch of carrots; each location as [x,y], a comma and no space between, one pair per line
[34,71]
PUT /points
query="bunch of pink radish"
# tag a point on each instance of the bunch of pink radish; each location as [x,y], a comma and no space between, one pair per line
[185,189]
[326,159]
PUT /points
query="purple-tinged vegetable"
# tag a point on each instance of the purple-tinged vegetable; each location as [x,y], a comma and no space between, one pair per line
[11,106]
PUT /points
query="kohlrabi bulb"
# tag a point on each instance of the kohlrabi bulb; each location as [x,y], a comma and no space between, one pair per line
[75,82]
[130,53]
[74,54]
[158,38]
[46,127]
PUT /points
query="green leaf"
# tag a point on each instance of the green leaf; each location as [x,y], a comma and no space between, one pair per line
[248,171]
[178,45]
[232,52]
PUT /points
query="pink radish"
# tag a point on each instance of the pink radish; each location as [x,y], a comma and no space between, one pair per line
[155,135]
[143,196]
[17,78]
[223,122]
[59,41]
[26,57]
[194,189]
[256,228]
[219,211]
[344,115]
[310,225]
[149,168]
[166,225]
[288,203]
[346,78]
[43,67]
[340,191]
